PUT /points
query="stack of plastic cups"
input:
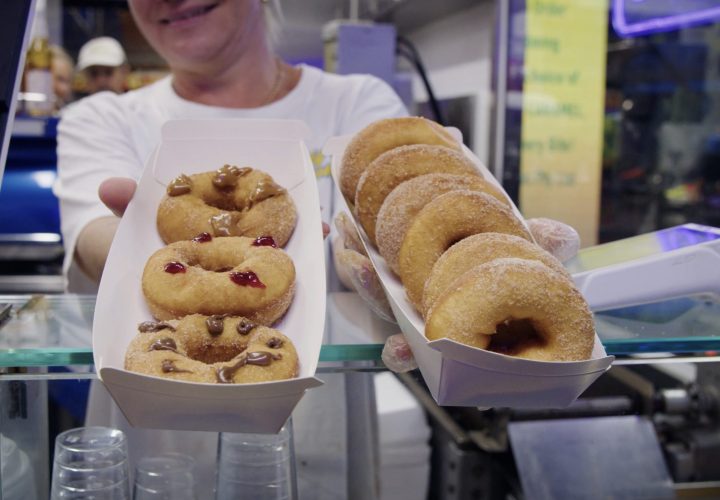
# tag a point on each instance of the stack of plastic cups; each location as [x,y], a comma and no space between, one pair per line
[256,466]
[91,463]
[165,477]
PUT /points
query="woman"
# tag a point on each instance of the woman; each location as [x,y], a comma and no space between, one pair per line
[222,66]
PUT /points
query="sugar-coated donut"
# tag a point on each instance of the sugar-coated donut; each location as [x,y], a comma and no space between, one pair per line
[516,307]
[230,201]
[405,201]
[384,135]
[444,221]
[478,249]
[212,349]
[231,275]
[398,165]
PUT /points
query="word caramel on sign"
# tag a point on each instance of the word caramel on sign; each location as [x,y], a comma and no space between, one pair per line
[563,112]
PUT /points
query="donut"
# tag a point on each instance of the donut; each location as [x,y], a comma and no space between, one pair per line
[384,135]
[478,249]
[398,165]
[212,349]
[444,221]
[231,275]
[517,307]
[406,200]
[230,201]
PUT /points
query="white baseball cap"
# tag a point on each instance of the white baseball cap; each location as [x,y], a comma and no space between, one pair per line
[103,51]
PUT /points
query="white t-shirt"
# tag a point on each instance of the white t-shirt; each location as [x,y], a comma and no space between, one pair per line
[109,135]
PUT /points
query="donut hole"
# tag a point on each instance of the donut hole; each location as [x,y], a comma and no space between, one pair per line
[513,336]
[222,201]
[214,353]
[215,263]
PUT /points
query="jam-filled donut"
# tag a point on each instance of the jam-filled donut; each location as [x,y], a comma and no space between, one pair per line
[232,275]
[444,221]
[478,249]
[384,135]
[230,201]
[405,201]
[398,165]
[212,349]
[516,307]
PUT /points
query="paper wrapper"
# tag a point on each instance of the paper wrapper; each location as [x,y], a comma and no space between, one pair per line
[460,375]
[189,147]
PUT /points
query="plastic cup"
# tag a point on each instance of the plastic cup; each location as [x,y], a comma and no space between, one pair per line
[165,477]
[91,463]
[256,466]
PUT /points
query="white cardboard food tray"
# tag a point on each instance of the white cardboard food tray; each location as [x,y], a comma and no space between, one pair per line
[460,375]
[194,146]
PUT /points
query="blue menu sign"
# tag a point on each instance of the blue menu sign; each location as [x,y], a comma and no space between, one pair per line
[641,17]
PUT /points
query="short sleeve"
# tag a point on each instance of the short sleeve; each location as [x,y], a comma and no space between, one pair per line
[93,145]
[374,101]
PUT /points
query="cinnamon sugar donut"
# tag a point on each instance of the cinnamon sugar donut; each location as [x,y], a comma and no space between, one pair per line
[384,135]
[398,165]
[230,201]
[231,275]
[516,307]
[444,221]
[212,349]
[478,249]
[406,200]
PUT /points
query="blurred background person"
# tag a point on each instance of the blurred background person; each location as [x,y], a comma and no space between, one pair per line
[104,65]
[62,72]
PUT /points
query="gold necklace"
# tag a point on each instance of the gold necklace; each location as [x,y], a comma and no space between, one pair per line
[279,77]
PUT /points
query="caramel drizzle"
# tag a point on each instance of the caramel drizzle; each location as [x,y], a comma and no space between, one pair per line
[226,177]
[223,224]
[245,326]
[179,186]
[163,344]
[154,326]
[215,324]
[168,366]
[258,358]
[265,189]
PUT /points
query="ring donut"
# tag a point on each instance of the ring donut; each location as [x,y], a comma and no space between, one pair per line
[384,135]
[516,307]
[398,165]
[478,249]
[444,221]
[405,201]
[230,201]
[212,349]
[232,275]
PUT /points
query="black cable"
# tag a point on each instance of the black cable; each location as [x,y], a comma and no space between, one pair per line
[406,49]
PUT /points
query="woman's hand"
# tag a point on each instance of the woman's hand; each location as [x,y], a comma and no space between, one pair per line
[116,193]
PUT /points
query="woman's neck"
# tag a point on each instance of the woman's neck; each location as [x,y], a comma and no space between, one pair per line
[246,83]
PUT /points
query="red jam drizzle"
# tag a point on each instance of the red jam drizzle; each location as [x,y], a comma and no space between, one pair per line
[174,268]
[264,241]
[202,238]
[246,278]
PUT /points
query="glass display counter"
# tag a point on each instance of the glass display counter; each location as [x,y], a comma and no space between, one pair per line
[46,367]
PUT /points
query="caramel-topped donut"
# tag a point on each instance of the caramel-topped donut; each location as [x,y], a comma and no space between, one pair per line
[231,275]
[230,201]
[398,165]
[478,249]
[444,221]
[384,135]
[405,201]
[516,307]
[212,349]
